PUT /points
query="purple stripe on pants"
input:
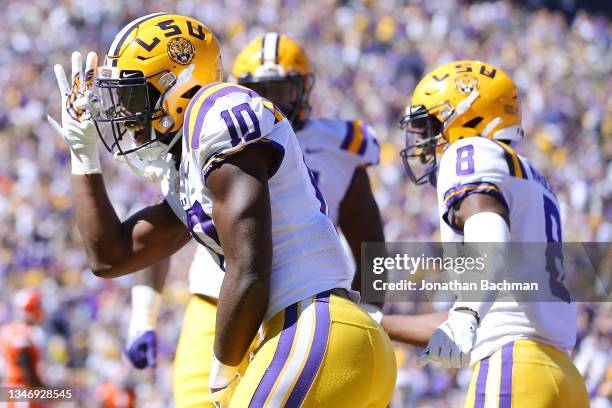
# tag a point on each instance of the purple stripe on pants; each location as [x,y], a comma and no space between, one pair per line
[505,389]
[316,354]
[481,383]
[278,361]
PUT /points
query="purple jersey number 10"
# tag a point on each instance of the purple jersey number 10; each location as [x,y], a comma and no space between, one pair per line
[465,160]
[247,134]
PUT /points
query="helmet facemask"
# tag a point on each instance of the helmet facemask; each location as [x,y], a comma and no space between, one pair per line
[423,137]
[132,106]
[289,92]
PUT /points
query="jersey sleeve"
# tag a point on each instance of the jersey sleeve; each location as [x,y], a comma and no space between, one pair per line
[472,166]
[360,143]
[224,119]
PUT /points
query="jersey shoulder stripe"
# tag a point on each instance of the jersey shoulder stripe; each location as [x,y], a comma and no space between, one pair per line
[355,140]
[201,104]
[515,166]
[278,115]
[459,192]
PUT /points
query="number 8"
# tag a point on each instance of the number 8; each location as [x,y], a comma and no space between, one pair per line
[465,155]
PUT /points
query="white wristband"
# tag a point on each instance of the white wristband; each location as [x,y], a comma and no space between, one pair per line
[86,162]
[374,311]
[486,227]
[145,307]
[221,375]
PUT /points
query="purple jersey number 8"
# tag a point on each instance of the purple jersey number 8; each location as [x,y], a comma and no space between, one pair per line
[465,160]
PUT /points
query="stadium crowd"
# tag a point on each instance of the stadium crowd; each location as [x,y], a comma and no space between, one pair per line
[367,56]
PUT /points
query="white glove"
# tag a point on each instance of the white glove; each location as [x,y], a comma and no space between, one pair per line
[78,105]
[452,342]
[222,383]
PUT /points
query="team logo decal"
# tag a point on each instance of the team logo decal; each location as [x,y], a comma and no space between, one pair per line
[181,50]
[466,84]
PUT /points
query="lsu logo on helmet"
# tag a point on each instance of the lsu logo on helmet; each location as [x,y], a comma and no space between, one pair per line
[181,50]
[154,67]
[466,84]
[457,100]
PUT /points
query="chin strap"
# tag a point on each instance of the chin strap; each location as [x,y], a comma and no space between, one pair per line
[150,163]
[154,170]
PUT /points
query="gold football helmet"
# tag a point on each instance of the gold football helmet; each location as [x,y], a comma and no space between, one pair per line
[274,66]
[154,67]
[457,100]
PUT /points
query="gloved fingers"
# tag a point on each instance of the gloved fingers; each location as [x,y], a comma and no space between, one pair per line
[90,69]
[423,359]
[56,126]
[465,359]
[455,357]
[77,71]
[445,355]
[434,352]
[466,343]
[62,82]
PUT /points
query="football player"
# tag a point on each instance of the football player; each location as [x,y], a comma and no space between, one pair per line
[238,185]
[337,153]
[20,342]
[470,112]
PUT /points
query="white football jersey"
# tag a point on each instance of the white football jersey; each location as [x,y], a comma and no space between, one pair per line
[333,151]
[480,165]
[223,119]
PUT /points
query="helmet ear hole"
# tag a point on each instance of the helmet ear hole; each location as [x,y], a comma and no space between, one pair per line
[472,123]
[154,94]
[191,92]
[436,125]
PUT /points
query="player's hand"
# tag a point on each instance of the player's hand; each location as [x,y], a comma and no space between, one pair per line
[222,397]
[222,382]
[452,342]
[79,104]
[141,349]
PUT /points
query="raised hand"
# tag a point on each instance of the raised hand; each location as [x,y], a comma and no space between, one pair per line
[79,104]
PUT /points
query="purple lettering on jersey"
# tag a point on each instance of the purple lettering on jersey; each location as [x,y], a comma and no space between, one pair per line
[195,216]
[554,252]
[318,193]
[234,138]
[244,128]
[210,101]
[465,160]
[551,214]
[540,179]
